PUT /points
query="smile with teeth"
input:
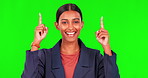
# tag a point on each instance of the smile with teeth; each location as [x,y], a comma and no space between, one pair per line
[70,34]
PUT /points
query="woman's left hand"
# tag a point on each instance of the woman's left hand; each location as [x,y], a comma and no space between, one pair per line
[102,36]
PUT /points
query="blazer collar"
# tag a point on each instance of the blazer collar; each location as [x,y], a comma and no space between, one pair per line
[56,62]
[81,67]
[83,64]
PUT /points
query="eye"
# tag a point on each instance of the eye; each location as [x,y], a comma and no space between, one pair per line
[76,21]
[64,22]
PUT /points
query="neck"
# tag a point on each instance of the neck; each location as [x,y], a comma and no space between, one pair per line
[69,47]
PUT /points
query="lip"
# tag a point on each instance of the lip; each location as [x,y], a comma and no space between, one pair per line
[70,34]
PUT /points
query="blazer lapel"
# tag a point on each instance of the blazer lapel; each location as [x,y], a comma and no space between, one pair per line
[57,67]
[82,66]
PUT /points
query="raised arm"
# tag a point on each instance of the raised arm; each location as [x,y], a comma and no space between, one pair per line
[107,66]
[35,59]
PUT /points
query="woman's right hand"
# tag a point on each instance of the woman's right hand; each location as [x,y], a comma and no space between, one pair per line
[40,33]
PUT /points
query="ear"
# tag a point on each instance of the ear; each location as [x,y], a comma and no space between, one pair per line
[82,24]
[57,25]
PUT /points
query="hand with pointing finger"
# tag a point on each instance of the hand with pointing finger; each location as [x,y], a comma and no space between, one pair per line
[40,33]
[102,36]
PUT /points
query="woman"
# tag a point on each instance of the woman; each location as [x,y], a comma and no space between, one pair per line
[70,58]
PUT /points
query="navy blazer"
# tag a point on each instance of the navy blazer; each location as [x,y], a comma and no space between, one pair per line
[47,63]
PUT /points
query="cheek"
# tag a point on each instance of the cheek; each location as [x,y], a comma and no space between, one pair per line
[63,27]
[78,27]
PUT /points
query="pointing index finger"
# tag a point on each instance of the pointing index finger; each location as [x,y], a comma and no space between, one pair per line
[40,18]
[101,22]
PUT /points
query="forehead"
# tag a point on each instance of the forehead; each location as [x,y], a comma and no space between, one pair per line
[70,15]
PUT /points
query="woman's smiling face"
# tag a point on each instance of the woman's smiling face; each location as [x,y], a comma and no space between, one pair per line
[69,24]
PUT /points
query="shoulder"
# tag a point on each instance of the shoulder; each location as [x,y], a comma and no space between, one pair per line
[40,53]
[94,52]
[45,51]
[95,56]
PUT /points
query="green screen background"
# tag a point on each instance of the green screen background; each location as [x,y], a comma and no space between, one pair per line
[126,21]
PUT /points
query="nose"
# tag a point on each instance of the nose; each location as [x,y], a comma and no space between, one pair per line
[70,26]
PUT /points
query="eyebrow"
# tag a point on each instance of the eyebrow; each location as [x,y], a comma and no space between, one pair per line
[76,19]
[72,19]
[64,19]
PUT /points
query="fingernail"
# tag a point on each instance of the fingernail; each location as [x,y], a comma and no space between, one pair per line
[97,38]
[98,31]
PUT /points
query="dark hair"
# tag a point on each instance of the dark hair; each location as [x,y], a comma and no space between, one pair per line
[67,7]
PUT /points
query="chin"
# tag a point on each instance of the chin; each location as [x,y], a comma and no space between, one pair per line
[72,39]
